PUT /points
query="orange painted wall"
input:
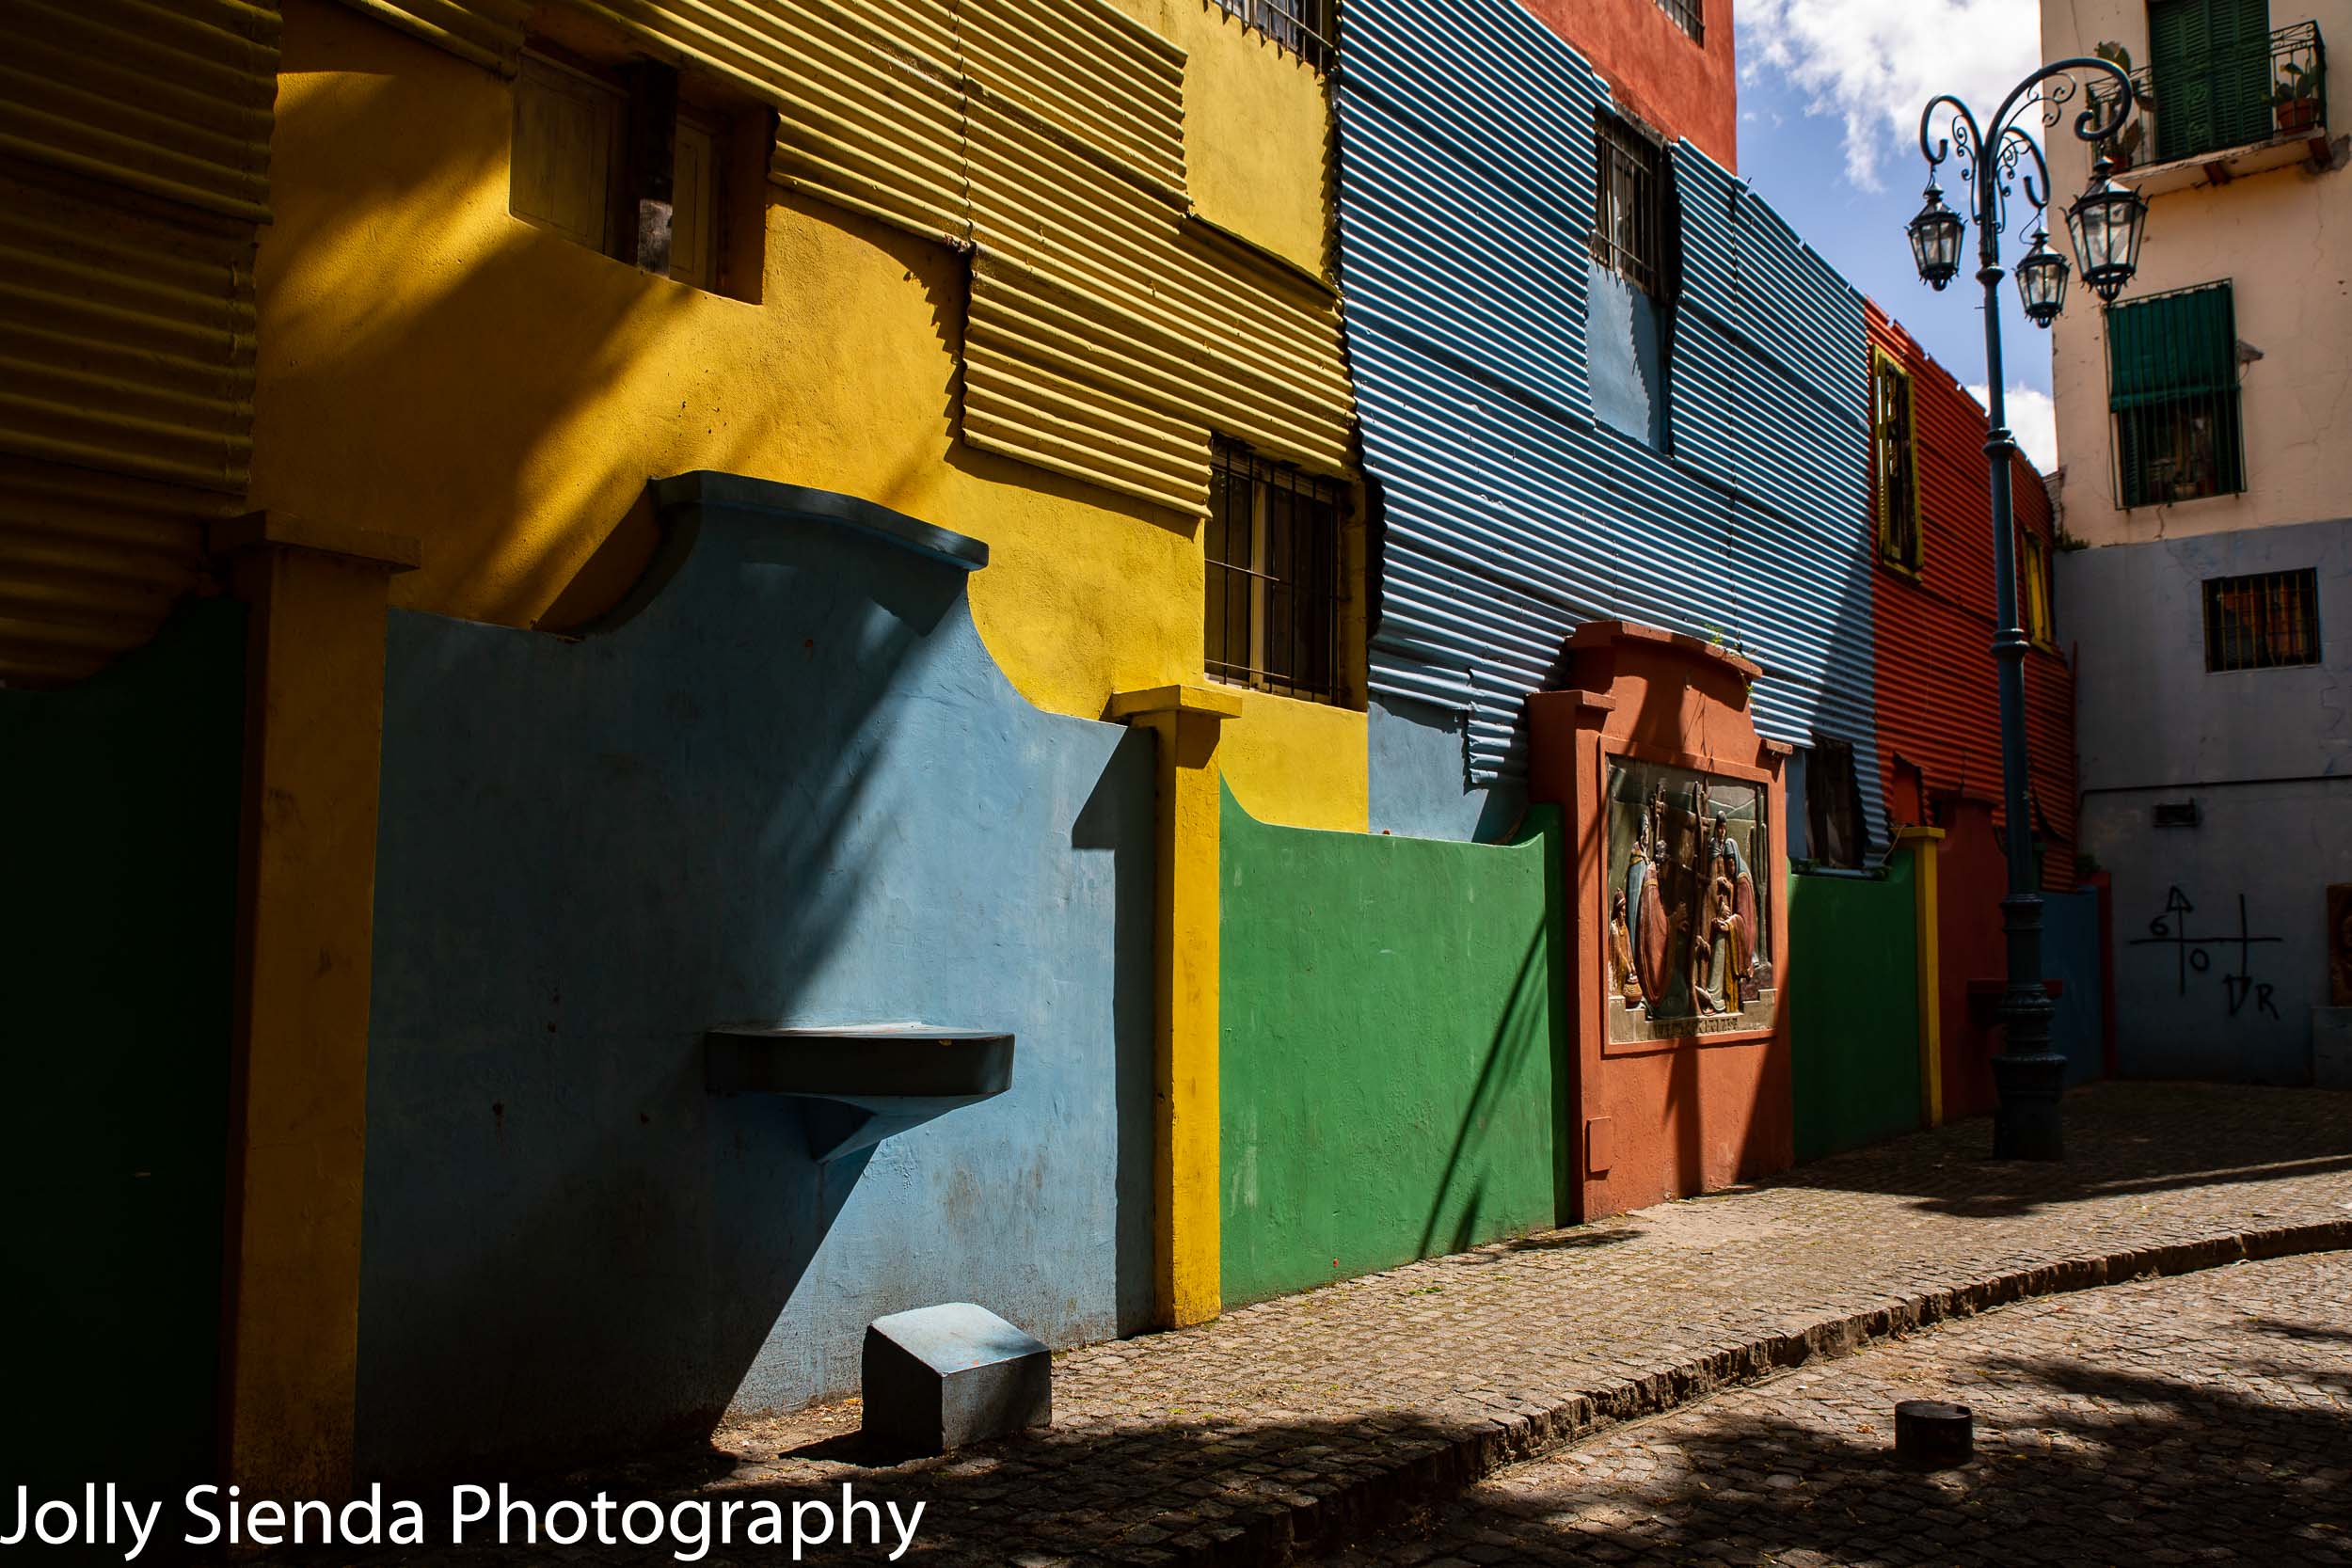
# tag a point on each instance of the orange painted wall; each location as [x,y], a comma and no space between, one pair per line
[1656,72]
[1681,1116]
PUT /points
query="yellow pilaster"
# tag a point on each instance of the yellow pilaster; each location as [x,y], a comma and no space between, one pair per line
[1921,842]
[1186,721]
[314,718]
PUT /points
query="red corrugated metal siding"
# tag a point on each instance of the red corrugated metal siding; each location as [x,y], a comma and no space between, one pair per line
[1937,694]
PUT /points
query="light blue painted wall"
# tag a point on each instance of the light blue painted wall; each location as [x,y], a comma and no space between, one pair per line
[793,787]
[2070,953]
[1629,372]
[2267,755]
[1415,757]
[1494,383]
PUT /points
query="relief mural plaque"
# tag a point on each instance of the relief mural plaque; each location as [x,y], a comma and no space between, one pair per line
[1689,904]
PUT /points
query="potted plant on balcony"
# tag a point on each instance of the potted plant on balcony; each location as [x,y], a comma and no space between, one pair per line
[2122,148]
[2295,98]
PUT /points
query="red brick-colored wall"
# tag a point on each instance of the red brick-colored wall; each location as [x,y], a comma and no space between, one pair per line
[1657,71]
[1665,1118]
[1939,708]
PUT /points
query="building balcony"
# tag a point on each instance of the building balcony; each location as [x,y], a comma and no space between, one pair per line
[2226,111]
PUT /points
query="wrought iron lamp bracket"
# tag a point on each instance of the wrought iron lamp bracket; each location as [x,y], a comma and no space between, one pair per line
[1997,157]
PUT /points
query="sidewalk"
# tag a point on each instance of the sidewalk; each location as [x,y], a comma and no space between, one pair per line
[1290,1426]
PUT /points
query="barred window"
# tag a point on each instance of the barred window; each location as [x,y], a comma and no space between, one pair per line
[2173,389]
[1688,15]
[2265,622]
[1629,216]
[1301,27]
[1275,551]
[1894,462]
[1833,805]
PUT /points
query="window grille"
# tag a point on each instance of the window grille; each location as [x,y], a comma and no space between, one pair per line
[2173,388]
[1688,15]
[1630,218]
[1275,559]
[1298,26]
[2265,622]
[1894,462]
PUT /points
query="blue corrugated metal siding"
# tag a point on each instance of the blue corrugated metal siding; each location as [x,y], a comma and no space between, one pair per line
[1466,214]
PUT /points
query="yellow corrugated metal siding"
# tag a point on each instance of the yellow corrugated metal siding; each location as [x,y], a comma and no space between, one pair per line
[135,135]
[1107,338]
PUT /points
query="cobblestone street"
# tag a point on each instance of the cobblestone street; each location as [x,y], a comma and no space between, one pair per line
[2202,1419]
[1300,1424]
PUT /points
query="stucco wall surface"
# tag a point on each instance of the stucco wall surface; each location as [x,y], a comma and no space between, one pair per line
[793,788]
[433,366]
[1853,1000]
[121,801]
[2265,755]
[2280,237]
[1390,1055]
[1682,86]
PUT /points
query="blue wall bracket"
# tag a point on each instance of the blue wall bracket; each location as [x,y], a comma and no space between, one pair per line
[862,1082]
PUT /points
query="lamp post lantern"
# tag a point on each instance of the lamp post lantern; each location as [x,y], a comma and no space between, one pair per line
[1996,156]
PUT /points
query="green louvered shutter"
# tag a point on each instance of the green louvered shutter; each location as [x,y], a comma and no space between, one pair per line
[2173,385]
[2209,68]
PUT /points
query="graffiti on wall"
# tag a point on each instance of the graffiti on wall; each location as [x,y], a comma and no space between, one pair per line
[2192,955]
[1690,914]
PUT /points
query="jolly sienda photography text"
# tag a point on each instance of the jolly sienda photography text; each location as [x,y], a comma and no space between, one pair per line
[687,1528]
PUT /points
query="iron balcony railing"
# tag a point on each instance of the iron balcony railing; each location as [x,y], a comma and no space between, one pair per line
[2229,96]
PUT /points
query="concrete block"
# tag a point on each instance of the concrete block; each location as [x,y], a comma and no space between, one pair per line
[939,1377]
[2331,1046]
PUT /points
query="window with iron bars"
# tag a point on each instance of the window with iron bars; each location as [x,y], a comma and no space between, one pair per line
[2266,621]
[1688,15]
[1301,27]
[1276,556]
[1630,215]
[2172,386]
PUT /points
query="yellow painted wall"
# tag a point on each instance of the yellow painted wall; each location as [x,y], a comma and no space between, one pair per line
[431,366]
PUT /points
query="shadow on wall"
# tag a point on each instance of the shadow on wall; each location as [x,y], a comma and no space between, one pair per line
[121,801]
[1390,1012]
[791,788]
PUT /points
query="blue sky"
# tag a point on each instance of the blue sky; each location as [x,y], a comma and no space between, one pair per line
[1830,95]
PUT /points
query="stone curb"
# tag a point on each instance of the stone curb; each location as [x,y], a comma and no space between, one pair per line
[1321,1517]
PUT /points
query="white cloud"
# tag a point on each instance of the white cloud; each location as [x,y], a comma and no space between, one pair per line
[2033,418]
[1874,64]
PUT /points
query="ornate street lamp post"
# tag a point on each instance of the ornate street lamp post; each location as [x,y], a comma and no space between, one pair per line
[2106,221]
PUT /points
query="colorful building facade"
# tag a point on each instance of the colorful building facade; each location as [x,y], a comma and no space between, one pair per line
[2202,425]
[752,543]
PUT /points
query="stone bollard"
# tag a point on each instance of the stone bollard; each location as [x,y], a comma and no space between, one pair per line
[939,1377]
[1933,1436]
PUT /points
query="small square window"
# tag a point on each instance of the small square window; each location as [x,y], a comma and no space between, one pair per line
[1688,15]
[1630,229]
[2266,621]
[1275,565]
[1301,27]
[611,159]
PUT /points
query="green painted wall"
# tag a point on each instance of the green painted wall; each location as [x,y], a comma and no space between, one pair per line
[119,803]
[1391,1055]
[1852,995]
